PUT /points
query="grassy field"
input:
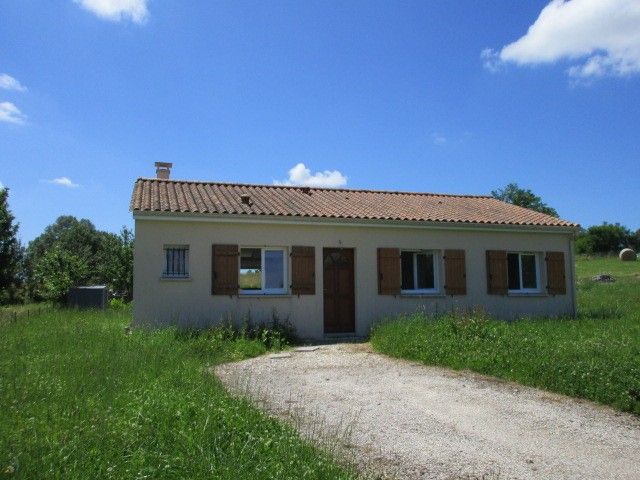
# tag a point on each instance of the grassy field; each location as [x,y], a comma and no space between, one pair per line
[81,399]
[596,356]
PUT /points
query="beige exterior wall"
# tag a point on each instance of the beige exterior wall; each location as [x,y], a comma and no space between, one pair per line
[161,302]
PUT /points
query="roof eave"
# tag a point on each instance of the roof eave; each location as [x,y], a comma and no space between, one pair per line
[292,219]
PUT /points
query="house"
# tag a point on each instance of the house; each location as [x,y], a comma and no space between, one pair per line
[333,261]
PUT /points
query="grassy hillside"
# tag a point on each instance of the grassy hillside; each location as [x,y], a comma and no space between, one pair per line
[596,356]
[81,399]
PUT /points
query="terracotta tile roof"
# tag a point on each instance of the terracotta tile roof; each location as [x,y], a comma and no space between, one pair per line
[206,198]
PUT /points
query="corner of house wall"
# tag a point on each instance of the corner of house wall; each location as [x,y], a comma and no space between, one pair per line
[572,258]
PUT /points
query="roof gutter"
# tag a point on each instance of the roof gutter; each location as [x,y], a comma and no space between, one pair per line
[347,222]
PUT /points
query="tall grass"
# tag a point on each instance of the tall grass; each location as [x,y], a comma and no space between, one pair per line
[80,398]
[596,356]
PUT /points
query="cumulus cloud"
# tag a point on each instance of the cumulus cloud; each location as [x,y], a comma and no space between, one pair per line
[301,175]
[115,10]
[11,114]
[63,182]
[600,38]
[7,82]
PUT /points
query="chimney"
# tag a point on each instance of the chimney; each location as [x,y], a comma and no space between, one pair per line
[163,170]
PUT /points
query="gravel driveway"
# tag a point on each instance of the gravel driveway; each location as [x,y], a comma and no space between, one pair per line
[410,421]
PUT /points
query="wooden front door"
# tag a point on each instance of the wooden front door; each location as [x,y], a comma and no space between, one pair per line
[339,294]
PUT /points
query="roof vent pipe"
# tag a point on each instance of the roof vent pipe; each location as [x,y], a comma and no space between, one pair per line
[163,170]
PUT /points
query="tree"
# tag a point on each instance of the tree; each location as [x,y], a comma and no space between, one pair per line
[636,240]
[515,195]
[70,235]
[10,252]
[605,238]
[73,252]
[57,271]
[584,243]
[115,262]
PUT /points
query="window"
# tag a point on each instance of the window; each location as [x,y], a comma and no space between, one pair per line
[418,272]
[176,261]
[523,272]
[262,270]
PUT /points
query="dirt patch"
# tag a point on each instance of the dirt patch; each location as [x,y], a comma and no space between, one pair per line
[410,421]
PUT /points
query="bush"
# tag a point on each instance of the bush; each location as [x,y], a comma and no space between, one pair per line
[118,304]
[274,335]
[605,238]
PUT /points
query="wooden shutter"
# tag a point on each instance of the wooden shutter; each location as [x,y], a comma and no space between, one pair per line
[224,270]
[388,271]
[556,278]
[497,273]
[455,276]
[303,270]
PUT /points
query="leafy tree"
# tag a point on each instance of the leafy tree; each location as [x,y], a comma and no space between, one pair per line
[57,271]
[584,243]
[605,238]
[115,262]
[69,234]
[89,256]
[515,195]
[635,240]
[11,252]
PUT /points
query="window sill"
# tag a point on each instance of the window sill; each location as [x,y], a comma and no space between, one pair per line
[423,295]
[265,295]
[175,279]
[527,294]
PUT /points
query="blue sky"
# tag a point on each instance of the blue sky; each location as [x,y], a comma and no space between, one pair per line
[456,97]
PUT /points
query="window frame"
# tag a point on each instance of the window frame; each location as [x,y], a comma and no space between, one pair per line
[522,290]
[265,291]
[175,276]
[436,272]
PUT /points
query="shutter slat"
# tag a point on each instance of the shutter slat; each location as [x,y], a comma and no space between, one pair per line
[455,272]
[303,270]
[556,276]
[224,270]
[497,272]
[389,271]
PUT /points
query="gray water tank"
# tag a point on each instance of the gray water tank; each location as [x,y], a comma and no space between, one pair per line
[92,296]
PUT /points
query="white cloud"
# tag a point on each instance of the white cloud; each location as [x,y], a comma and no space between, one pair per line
[301,175]
[63,182]
[600,38]
[116,10]
[438,139]
[1,186]
[490,60]
[11,114]
[7,82]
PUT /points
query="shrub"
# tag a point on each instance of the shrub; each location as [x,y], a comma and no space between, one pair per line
[117,303]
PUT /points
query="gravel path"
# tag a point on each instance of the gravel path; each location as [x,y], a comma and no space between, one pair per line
[411,421]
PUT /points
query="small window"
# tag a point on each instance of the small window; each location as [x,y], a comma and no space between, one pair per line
[523,272]
[418,270]
[176,262]
[262,270]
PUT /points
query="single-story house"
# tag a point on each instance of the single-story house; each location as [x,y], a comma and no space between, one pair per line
[332,261]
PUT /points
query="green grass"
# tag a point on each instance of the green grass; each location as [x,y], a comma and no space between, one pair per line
[596,356]
[81,399]
[587,267]
[23,309]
